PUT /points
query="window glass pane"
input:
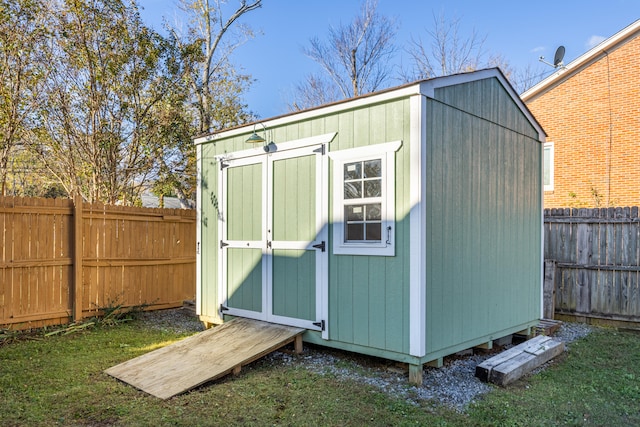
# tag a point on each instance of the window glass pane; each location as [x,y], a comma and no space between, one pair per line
[373,188]
[374,231]
[354,213]
[352,171]
[373,168]
[374,212]
[354,231]
[353,190]
[547,166]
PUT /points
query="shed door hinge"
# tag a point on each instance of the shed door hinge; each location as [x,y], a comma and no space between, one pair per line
[223,165]
[322,246]
[223,308]
[321,150]
[319,324]
[223,244]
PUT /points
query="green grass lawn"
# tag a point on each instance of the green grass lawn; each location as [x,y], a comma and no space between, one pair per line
[59,380]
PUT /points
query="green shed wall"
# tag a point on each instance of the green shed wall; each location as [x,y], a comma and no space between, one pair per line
[483,226]
[484,210]
[368,295]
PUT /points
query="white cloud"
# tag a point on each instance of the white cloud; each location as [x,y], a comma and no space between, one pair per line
[538,49]
[593,41]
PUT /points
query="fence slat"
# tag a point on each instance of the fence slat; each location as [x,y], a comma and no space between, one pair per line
[129,256]
[598,261]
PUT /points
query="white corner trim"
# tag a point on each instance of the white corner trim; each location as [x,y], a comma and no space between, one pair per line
[541,174]
[322,201]
[417,226]
[199,230]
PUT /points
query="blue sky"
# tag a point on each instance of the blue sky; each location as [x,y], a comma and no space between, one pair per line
[520,31]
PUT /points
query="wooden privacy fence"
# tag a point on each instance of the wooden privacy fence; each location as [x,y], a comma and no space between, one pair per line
[61,261]
[597,255]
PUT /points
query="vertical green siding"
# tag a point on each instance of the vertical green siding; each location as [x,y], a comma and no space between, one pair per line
[487,99]
[483,226]
[369,295]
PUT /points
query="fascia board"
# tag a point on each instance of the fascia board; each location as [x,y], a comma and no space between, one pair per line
[582,61]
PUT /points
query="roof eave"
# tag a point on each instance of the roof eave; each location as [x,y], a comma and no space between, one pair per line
[578,64]
[422,87]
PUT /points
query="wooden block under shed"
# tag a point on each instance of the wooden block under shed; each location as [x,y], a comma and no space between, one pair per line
[483,370]
[511,364]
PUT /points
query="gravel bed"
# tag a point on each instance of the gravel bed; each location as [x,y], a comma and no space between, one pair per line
[453,385]
[178,320]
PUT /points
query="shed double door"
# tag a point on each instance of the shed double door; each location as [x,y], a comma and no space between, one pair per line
[273,237]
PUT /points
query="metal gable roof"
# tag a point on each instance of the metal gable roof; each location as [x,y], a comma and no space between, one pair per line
[583,61]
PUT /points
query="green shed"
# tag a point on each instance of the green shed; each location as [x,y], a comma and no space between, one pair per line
[404,224]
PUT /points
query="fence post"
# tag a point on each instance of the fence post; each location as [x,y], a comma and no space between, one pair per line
[77,258]
[549,289]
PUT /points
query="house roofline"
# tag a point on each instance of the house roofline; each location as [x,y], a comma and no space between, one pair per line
[422,87]
[575,66]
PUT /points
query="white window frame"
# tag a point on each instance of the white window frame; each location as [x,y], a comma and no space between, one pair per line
[548,146]
[386,153]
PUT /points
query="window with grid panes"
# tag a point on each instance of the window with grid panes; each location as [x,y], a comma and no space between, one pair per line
[363,193]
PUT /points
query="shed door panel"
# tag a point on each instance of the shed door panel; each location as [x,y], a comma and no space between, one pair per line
[243,238]
[272,237]
[244,279]
[294,221]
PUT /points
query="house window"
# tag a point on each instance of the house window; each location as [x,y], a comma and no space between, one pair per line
[548,166]
[363,200]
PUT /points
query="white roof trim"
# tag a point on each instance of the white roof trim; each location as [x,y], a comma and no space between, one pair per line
[309,114]
[579,63]
[424,88]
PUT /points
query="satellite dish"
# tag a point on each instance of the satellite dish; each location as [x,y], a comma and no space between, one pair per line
[557,58]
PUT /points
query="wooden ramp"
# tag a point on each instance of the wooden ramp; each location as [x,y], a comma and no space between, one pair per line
[207,356]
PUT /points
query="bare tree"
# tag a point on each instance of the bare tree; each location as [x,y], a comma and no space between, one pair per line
[314,91]
[523,79]
[211,40]
[213,88]
[446,51]
[354,58]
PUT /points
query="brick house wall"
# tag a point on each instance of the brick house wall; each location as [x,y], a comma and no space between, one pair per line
[593,120]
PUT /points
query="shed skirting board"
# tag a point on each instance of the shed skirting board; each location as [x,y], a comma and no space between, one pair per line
[433,355]
[315,337]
